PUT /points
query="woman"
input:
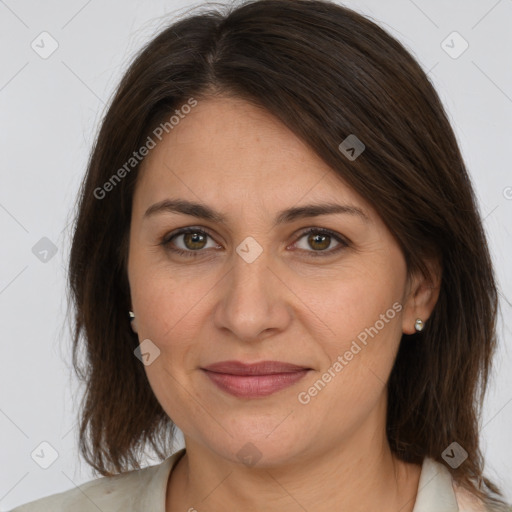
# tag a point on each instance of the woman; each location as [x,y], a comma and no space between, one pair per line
[278,250]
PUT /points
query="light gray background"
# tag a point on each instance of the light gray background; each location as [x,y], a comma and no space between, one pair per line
[50,112]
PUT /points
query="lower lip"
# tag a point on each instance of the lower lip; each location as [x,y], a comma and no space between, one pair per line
[255,386]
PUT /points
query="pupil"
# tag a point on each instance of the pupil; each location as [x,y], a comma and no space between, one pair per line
[319,238]
[196,238]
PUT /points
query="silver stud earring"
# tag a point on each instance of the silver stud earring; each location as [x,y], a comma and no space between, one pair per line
[133,322]
[418,325]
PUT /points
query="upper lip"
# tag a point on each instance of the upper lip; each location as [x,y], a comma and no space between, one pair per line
[261,368]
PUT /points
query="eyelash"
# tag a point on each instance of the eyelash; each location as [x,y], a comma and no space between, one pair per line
[166,242]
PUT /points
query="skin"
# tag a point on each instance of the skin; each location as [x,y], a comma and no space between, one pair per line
[331,453]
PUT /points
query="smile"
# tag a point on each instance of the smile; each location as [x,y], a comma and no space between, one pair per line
[254,380]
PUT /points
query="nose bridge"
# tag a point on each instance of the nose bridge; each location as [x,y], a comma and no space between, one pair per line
[250,272]
[251,302]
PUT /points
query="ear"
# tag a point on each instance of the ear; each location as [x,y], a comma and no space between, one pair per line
[421,296]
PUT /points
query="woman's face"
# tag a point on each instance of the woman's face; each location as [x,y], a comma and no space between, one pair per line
[257,287]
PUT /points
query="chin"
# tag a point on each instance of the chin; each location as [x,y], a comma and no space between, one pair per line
[260,450]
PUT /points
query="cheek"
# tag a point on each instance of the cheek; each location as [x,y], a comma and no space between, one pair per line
[359,334]
[348,305]
[164,296]
[358,348]
[168,315]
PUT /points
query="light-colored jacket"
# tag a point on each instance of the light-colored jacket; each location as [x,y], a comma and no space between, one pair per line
[144,490]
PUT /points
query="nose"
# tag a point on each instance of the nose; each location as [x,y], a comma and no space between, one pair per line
[254,301]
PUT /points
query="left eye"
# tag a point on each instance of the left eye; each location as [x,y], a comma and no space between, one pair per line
[320,240]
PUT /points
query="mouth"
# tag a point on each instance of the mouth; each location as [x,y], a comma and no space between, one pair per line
[254,380]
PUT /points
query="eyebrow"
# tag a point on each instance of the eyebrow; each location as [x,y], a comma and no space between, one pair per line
[202,211]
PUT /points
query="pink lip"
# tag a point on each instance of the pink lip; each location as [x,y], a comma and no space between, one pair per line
[254,380]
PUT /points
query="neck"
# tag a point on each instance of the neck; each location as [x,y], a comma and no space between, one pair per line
[360,474]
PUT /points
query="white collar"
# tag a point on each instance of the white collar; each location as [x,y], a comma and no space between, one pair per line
[435,489]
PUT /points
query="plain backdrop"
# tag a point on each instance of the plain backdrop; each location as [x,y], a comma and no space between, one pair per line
[50,111]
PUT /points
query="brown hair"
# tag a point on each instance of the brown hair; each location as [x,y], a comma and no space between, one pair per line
[325,72]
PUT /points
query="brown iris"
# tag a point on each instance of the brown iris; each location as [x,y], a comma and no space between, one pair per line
[323,240]
[197,240]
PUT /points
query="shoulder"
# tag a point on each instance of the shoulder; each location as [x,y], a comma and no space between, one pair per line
[438,490]
[467,501]
[138,489]
[102,493]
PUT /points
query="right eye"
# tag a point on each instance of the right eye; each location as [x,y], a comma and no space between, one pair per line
[193,240]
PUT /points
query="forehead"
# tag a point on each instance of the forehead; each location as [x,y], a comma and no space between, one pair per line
[232,151]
